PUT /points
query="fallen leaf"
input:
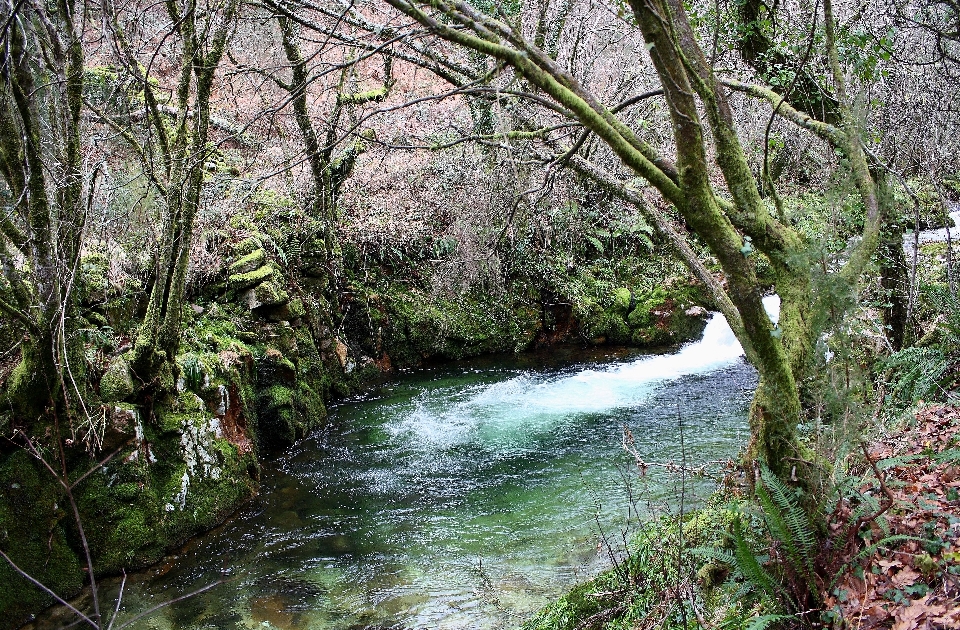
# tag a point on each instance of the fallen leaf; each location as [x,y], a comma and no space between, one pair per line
[886,565]
[906,577]
[907,617]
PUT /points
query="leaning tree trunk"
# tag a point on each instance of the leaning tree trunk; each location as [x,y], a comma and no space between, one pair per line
[776,406]
[39,109]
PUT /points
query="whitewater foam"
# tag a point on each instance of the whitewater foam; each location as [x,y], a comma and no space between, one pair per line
[519,408]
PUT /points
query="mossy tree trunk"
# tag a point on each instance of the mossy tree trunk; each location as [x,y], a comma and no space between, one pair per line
[40,163]
[183,149]
[893,268]
[731,224]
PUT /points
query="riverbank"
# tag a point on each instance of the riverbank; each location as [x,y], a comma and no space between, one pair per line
[887,555]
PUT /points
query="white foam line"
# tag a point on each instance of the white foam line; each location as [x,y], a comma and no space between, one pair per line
[522,406]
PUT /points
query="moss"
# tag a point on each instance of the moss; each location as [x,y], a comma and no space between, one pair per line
[26,390]
[165,376]
[266,293]
[309,404]
[33,531]
[248,263]
[411,326]
[642,314]
[144,506]
[117,385]
[241,281]
[359,98]
[277,396]
[93,282]
[268,199]
[297,309]
[622,300]
[247,246]
[279,422]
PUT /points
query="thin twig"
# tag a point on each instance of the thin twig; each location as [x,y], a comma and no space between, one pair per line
[150,611]
[116,610]
[40,585]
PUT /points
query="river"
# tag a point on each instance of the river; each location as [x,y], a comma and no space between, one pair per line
[466,496]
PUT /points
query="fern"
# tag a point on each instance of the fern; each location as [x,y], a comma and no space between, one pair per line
[713,553]
[765,621]
[891,462]
[868,505]
[917,373]
[948,456]
[926,372]
[750,566]
[787,581]
[789,525]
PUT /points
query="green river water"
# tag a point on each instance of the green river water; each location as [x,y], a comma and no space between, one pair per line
[466,496]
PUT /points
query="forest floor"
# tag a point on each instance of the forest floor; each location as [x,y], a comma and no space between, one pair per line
[905,574]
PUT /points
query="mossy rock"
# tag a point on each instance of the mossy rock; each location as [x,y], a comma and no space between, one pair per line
[241,281]
[411,327]
[605,327]
[251,262]
[278,421]
[247,246]
[94,283]
[180,480]
[265,294]
[33,531]
[117,384]
[297,309]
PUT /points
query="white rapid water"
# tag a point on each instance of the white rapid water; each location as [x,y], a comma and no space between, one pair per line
[514,411]
[935,236]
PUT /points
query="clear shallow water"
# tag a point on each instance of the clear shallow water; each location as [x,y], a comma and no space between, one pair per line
[465,497]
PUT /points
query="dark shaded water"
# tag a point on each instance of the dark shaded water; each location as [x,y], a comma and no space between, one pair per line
[463,497]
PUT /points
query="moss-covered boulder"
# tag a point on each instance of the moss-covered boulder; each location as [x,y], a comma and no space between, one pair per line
[289,402]
[117,384]
[249,262]
[406,327]
[183,477]
[34,530]
[265,294]
[93,281]
[660,318]
[239,282]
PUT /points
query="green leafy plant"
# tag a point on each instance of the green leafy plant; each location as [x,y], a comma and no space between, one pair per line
[928,370]
[772,562]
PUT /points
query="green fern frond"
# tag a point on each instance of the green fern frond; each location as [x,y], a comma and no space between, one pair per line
[868,505]
[714,553]
[901,460]
[765,621]
[917,373]
[749,565]
[788,523]
[948,456]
